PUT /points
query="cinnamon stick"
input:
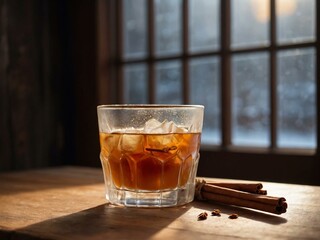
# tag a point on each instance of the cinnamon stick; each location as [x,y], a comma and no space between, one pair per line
[230,196]
[246,187]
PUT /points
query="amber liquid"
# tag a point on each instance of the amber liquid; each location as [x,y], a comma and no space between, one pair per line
[149,161]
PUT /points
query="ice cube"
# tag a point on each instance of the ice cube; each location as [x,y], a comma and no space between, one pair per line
[173,128]
[131,143]
[154,126]
[109,142]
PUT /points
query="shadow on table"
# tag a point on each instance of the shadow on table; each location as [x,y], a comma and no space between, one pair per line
[251,214]
[104,222]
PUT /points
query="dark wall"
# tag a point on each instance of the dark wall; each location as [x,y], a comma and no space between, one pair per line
[83,16]
[43,74]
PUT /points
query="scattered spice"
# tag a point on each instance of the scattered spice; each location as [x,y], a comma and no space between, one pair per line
[202,216]
[216,212]
[233,216]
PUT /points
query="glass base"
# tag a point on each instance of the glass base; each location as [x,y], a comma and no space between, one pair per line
[166,198]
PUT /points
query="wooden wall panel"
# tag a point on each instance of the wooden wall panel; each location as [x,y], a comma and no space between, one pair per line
[31,133]
[48,80]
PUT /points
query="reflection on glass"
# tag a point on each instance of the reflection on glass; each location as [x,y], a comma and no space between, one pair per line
[168,82]
[205,90]
[135,84]
[296,20]
[168,26]
[204,25]
[250,99]
[250,23]
[296,91]
[134,27]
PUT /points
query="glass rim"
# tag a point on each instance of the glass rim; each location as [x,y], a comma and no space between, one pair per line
[149,106]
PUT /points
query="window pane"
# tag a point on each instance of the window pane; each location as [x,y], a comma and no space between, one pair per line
[250,95]
[168,82]
[296,20]
[135,84]
[135,36]
[205,90]
[204,25]
[250,23]
[168,26]
[296,97]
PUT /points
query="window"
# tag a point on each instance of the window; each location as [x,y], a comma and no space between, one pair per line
[252,63]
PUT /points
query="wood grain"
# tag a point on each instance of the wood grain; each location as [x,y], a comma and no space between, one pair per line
[68,202]
[48,92]
[28,123]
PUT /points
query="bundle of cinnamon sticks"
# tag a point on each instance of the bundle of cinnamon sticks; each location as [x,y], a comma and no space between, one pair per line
[249,195]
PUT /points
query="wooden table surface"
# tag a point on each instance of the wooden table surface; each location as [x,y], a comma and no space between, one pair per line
[69,203]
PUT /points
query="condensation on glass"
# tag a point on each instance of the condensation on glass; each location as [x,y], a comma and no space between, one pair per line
[168,82]
[150,153]
[204,27]
[296,93]
[135,88]
[135,28]
[250,23]
[205,90]
[250,99]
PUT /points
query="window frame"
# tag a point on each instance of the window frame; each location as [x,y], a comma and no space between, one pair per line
[271,163]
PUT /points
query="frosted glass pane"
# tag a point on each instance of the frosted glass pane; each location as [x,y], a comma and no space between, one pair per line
[296,98]
[204,27]
[168,83]
[135,84]
[134,27]
[296,20]
[250,23]
[250,99]
[168,26]
[205,90]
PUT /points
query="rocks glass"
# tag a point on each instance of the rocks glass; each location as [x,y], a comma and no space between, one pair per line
[150,153]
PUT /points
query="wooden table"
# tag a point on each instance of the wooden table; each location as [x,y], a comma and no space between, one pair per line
[69,203]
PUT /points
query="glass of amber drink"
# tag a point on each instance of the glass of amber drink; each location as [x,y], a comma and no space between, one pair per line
[150,153]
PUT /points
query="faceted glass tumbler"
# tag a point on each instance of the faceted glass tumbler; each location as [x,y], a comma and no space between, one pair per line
[150,153]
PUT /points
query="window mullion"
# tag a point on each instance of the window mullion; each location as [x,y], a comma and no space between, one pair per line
[273,77]
[151,51]
[119,48]
[185,47]
[225,73]
[318,75]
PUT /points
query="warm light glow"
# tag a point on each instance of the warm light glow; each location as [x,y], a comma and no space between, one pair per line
[261,8]
[285,7]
